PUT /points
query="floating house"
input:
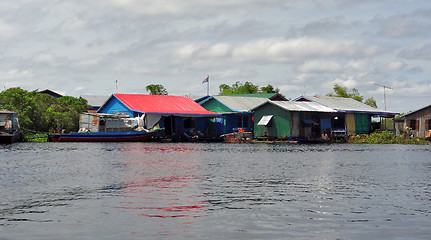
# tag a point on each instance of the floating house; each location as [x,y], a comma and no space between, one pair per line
[419,122]
[178,116]
[291,120]
[352,117]
[51,93]
[236,111]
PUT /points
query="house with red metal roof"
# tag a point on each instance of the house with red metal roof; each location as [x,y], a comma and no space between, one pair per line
[179,116]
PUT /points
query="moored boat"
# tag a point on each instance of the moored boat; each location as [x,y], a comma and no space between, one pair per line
[9,127]
[132,136]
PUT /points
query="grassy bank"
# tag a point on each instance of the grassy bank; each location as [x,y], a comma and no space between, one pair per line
[386,137]
[39,137]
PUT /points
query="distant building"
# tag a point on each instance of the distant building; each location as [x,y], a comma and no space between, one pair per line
[51,93]
[419,122]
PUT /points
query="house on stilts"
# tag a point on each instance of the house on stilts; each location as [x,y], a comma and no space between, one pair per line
[352,117]
[179,117]
[418,122]
[236,110]
[287,120]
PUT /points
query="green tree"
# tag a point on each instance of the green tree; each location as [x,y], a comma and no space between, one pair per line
[371,102]
[341,91]
[42,112]
[22,102]
[156,89]
[269,89]
[238,88]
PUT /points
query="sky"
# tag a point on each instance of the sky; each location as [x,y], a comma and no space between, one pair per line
[99,47]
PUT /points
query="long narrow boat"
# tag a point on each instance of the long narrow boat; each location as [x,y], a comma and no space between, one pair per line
[133,136]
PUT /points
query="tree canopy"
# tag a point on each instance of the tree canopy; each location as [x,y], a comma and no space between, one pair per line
[42,112]
[341,91]
[156,89]
[246,88]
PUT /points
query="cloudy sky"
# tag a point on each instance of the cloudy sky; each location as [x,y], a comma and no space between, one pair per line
[82,47]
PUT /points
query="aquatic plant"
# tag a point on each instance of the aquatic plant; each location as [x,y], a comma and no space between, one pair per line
[386,137]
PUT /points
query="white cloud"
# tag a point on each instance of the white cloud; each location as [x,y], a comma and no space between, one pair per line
[357,65]
[72,24]
[7,31]
[44,58]
[217,50]
[299,49]
[394,66]
[423,52]
[162,7]
[14,74]
[349,82]
[320,66]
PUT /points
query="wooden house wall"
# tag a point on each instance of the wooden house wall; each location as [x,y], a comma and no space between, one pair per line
[350,123]
[295,127]
[362,123]
[116,106]
[231,121]
[423,122]
[215,106]
[280,123]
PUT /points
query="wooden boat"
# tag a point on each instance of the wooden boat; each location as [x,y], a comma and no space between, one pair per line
[9,127]
[132,136]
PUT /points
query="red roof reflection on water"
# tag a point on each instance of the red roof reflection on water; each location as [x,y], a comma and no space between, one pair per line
[163,187]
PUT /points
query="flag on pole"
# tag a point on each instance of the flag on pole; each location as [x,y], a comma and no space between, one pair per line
[206,80]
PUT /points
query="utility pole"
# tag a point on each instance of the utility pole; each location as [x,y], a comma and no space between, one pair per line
[384,92]
[384,100]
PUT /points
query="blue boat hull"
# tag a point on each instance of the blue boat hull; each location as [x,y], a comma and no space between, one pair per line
[136,136]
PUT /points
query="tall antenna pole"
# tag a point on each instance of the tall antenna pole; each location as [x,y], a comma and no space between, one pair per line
[116,86]
[384,92]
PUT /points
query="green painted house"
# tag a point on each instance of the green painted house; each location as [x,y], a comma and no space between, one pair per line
[289,120]
[235,109]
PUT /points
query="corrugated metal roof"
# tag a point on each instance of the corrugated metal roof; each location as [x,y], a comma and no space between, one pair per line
[410,113]
[240,104]
[163,104]
[344,104]
[302,106]
[259,95]
[4,111]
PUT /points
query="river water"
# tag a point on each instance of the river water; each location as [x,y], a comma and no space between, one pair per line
[214,191]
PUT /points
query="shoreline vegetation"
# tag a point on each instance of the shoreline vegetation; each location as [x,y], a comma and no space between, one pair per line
[386,137]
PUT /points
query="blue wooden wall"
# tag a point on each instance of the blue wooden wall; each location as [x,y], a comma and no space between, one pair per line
[116,106]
